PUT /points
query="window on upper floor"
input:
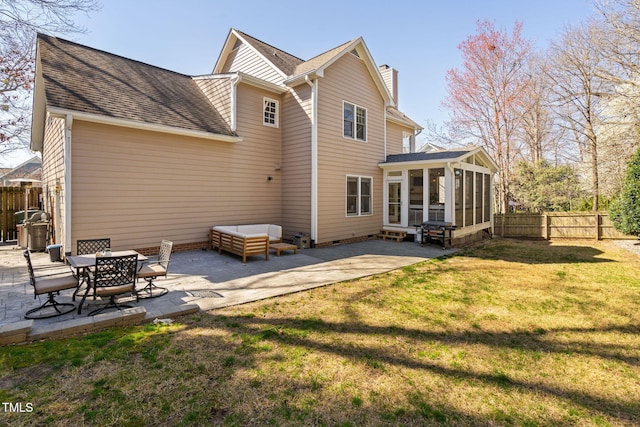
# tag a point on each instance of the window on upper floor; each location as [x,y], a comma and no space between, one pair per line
[270,112]
[354,122]
[407,142]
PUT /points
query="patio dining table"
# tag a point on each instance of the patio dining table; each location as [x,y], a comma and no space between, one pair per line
[81,262]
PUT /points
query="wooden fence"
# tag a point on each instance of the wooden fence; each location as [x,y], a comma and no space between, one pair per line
[552,225]
[11,201]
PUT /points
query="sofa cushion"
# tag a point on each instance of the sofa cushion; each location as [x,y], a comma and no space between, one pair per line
[275,232]
[254,229]
[226,228]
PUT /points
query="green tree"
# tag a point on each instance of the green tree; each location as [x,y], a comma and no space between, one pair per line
[541,186]
[625,209]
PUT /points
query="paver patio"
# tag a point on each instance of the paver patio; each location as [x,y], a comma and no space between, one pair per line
[204,280]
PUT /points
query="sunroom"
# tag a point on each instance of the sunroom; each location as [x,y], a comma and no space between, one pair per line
[448,187]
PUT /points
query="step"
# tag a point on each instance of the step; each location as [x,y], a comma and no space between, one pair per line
[398,236]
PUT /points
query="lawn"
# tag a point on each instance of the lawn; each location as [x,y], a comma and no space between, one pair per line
[508,333]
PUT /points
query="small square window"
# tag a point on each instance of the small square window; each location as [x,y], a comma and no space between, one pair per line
[270,117]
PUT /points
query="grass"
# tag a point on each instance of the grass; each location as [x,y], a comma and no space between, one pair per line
[509,333]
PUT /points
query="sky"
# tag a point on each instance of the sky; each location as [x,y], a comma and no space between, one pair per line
[419,38]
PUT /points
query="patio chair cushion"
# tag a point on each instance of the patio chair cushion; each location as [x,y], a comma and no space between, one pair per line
[55,284]
[113,290]
[151,270]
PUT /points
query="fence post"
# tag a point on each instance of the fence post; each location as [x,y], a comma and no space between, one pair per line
[598,232]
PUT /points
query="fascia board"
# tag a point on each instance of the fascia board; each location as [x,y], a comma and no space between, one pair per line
[96,118]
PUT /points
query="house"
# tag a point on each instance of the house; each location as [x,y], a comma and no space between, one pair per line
[30,170]
[140,154]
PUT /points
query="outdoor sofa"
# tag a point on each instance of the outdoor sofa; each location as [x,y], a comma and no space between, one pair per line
[245,240]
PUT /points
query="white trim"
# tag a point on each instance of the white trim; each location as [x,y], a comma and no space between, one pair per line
[228,48]
[96,118]
[355,122]
[234,103]
[245,78]
[359,213]
[67,182]
[314,158]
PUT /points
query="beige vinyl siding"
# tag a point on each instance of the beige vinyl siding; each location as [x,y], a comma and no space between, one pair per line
[394,137]
[390,78]
[296,161]
[218,91]
[53,172]
[139,187]
[347,80]
[246,60]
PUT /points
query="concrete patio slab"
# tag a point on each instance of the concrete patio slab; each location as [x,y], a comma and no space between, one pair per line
[206,280]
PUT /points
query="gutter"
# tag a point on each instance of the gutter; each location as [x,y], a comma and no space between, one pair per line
[133,124]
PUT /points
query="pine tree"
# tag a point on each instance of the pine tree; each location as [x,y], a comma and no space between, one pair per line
[625,209]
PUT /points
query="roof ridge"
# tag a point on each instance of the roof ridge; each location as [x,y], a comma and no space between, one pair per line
[104,52]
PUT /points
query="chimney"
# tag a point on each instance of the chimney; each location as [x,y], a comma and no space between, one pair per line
[390,77]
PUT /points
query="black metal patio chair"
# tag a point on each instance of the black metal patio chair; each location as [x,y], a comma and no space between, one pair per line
[49,286]
[85,247]
[110,277]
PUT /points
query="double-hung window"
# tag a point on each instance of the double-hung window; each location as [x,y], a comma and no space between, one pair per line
[359,195]
[270,112]
[355,122]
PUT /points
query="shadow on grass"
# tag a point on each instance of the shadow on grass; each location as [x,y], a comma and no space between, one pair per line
[279,330]
[536,252]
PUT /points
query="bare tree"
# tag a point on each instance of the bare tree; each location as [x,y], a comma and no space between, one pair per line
[486,98]
[537,118]
[620,48]
[579,92]
[19,22]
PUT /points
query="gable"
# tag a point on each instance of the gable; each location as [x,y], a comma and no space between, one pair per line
[246,54]
[246,60]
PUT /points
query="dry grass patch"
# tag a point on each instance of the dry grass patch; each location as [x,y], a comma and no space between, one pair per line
[510,333]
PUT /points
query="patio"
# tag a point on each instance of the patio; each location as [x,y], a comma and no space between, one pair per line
[200,280]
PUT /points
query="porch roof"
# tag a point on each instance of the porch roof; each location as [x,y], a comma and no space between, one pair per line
[420,157]
[442,156]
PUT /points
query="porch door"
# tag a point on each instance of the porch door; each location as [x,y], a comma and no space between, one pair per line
[395,202]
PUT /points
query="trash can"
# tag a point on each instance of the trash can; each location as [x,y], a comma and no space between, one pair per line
[55,252]
[37,235]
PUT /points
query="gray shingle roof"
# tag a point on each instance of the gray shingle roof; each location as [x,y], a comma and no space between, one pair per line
[435,155]
[88,80]
[286,62]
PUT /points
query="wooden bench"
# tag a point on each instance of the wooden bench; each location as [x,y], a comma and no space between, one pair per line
[398,236]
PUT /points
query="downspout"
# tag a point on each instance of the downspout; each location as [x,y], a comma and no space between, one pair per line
[234,84]
[385,132]
[67,183]
[314,157]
